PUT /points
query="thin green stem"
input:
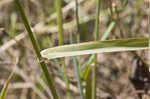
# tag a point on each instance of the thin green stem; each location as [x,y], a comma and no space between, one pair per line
[69,95]
[77,73]
[36,49]
[149,34]
[78,30]
[77,21]
[58,5]
[4,91]
[94,78]
[96,36]
[86,74]
[88,87]
[76,67]
[76,64]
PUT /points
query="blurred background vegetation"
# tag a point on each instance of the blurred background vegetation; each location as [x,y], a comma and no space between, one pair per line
[131,21]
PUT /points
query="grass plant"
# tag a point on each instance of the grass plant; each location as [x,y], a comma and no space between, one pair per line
[37,51]
[115,23]
[76,63]
[96,36]
[58,5]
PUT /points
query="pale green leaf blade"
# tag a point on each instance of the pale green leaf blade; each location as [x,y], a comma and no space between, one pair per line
[95,47]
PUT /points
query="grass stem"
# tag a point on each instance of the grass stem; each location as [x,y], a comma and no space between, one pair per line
[36,49]
[77,66]
[96,36]
[77,21]
[149,34]
[58,5]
